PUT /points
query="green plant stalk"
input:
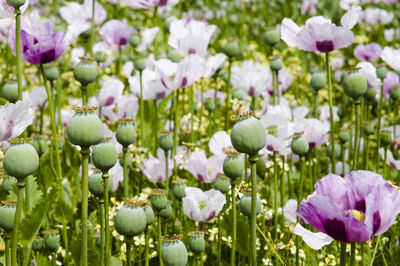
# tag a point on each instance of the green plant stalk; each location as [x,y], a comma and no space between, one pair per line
[85,97]
[277,85]
[58,103]
[228,94]
[375,250]
[106,176]
[300,196]
[191,106]
[91,40]
[385,176]
[126,172]
[7,250]
[166,171]
[216,107]
[378,130]
[159,240]
[85,161]
[283,185]
[273,88]
[315,105]
[146,247]
[394,117]
[275,232]
[253,160]
[128,252]
[18,51]
[233,263]
[356,136]
[219,241]
[366,150]
[343,253]
[297,251]
[201,107]
[65,238]
[268,241]
[342,155]
[17,219]
[175,107]
[101,207]
[155,126]
[353,254]
[141,103]
[330,96]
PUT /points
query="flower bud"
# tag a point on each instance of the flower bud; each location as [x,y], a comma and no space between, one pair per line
[158,199]
[344,136]
[233,165]
[370,94]
[299,145]
[329,150]
[381,72]
[395,93]
[37,243]
[174,56]
[166,212]
[368,128]
[210,105]
[140,64]
[318,81]
[276,64]
[125,133]
[100,57]
[104,155]
[7,215]
[245,204]
[222,183]
[40,145]
[271,37]
[51,72]
[238,94]
[135,40]
[51,240]
[261,168]
[96,184]
[386,137]
[10,91]
[355,85]
[231,48]
[178,189]
[165,140]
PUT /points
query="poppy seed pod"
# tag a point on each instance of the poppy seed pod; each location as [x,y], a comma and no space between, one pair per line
[104,155]
[16,3]
[245,203]
[318,81]
[126,132]
[196,242]
[130,220]
[86,71]
[299,145]
[10,91]
[355,84]
[271,37]
[222,183]
[174,252]
[7,214]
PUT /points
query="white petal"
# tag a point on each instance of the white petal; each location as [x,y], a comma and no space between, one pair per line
[289,210]
[313,240]
[351,17]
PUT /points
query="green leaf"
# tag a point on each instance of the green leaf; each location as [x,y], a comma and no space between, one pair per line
[34,193]
[31,223]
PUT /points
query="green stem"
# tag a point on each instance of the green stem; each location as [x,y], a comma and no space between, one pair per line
[353,254]
[102,236]
[106,176]
[315,106]
[201,107]
[384,165]
[128,252]
[228,94]
[300,196]
[159,241]
[126,172]
[275,232]
[343,163]
[66,246]
[18,51]
[85,161]
[91,40]
[233,263]
[17,219]
[330,96]
[146,247]
[141,103]
[343,253]
[155,126]
[216,107]
[375,250]
[7,250]
[219,241]
[297,251]
[191,106]
[175,107]
[277,85]
[84,91]
[268,241]
[253,160]
[356,136]
[378,131]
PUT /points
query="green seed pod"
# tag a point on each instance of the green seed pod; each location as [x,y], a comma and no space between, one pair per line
[368,128]
[261,168]
[222,183]
[395,93]
[344,136]
[51,240]
[370,95]
[173,252]
[337,151]
[245,204]
[178,189]
[37,243]
[16,3]
[248,135]
[174,56]
[196,242]
[233,165]
[238,94]
[166,212]
[21,159]
[140,64]
[130,220]
[7,215]
[233,19]
[158,199]
[386,137]
[271,37]
[86,71]
[104,155]
[100,57]
[8,184]
[341,112]
[85,128]
[40,145]
[381,72]
[148,211]
[231,48]
[165,140]
[210,105]
[355,85]
[299,145]
[51,71]
[10,91]
[318,81]
[276,64]
[135,40]
[96,184]
[126,132]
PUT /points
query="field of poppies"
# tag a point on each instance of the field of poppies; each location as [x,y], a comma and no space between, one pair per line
[199,132]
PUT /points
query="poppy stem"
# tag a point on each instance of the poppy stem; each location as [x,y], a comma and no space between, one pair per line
[219,240]
[166,171]
[384,165]
[228,94]
[356,135]
[141,109]
[128,251]
[275,232]
[175,107]
[159,240]
[105,177]
[126,171]
[146,247]
[18,51]
[353,254]
[102,236]
[85,161]
[253,160]
[7,249]
[17,219]
[378,130]
[330,96]
[343,254]
[233,263]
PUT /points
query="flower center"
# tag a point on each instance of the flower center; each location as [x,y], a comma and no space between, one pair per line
[357,214]
[202,204]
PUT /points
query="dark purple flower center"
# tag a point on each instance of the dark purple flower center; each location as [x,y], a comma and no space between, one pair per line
[48,56]
[377,222]
[251,91]
[160,95]
[325,46]
[109,101]
[212,214]
[123,41]
[335,229]
[200,177]
[184,82]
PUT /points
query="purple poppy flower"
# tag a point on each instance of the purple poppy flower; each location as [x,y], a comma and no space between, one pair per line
[116,33]
[250,77]
[39,45]
[205,169]
[391,57]
[375,16]
[148,4]
[219,142]
[110,92]
[190,36]
[392,80]
[368,52]
[212,64]
[314,130]
[352,209]
[74,11]
[153,89]
[154,169]
[319,33]
[369,72]
[391,161]
[202,206]
[284,81]
[14,119]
